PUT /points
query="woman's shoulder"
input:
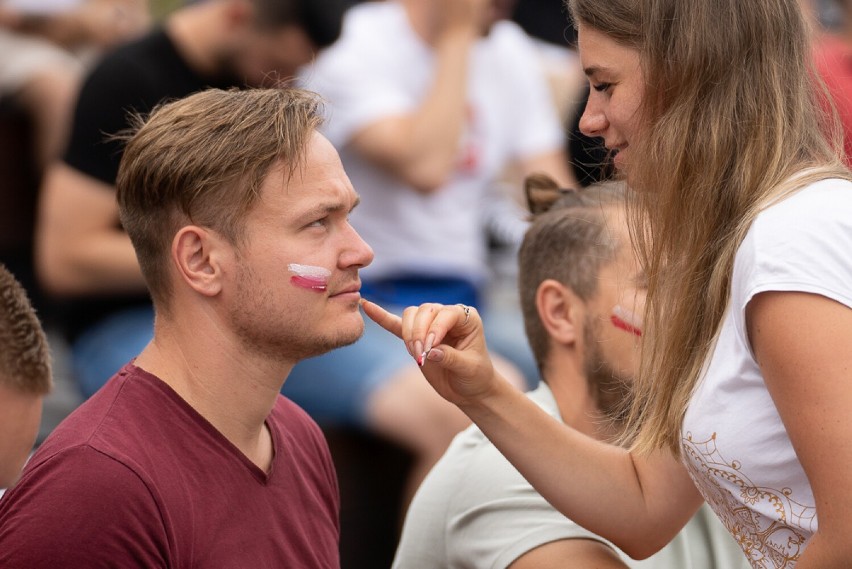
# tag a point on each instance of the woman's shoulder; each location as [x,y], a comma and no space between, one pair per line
[800,243]
[821,201]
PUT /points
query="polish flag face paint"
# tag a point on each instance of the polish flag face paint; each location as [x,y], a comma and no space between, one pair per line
[626,320]
[309,277]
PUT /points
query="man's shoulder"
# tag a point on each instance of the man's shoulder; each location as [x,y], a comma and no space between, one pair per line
[479,507]
[72,464]
[75,480]
[471,472]
[141,51]
[142,72]
[79,506]
[121,420]
[148,70]
[474,472]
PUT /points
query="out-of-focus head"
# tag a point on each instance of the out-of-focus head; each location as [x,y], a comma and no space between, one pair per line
[577,257]
[202,160]
[25,376]
[273,38]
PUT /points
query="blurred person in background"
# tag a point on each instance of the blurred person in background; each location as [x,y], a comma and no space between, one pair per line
[46,47]
[833,57]
[430,101]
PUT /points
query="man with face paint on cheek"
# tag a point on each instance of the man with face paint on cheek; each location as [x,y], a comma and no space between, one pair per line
[238,210]
[581,290]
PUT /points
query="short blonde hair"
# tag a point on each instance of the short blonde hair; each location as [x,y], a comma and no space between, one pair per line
[24,353]
[569,240]
[202,160]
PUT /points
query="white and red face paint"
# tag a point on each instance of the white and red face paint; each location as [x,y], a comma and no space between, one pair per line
[309,277]
[627,320]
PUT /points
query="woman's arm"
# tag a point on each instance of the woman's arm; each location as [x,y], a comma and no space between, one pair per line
[639,503]
[803,344]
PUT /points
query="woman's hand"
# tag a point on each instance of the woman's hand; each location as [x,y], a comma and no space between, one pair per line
[449,344]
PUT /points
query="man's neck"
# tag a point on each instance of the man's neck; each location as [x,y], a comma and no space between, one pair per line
[579,410]
[231,389]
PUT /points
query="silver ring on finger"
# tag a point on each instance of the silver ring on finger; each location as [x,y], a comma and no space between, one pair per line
[466,309]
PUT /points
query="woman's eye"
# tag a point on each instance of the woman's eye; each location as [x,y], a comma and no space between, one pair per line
[601,87]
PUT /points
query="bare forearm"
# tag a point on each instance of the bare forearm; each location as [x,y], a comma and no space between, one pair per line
[421,147]
[437,126]
[79,248]
[639,503]
[585,479]
[100,23]
[102,264]
[66,30]
[105,265]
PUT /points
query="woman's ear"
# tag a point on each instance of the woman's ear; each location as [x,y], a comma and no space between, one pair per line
[560,311]
[197,254]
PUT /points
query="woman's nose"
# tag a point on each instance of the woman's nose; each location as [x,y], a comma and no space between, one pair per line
[593,123]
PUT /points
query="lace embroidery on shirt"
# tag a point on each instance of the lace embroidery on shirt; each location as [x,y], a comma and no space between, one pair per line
[769,543]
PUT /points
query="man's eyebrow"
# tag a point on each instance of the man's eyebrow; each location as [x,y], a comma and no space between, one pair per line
[327,208]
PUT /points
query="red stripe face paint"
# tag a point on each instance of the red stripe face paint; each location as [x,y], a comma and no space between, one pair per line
[626,320]
[309,277]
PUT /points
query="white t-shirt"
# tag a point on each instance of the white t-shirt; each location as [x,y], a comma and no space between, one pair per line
[735,445]
[378,68]
[474,509]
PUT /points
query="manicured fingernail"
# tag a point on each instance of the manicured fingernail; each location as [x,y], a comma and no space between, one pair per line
[430,339]
[435,355]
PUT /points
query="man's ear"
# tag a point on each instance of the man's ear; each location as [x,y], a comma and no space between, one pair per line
[197,254]
[560,311]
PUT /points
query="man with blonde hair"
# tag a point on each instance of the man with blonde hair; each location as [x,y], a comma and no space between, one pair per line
[581,288]
[83,258]
[238,210]
[25,376]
